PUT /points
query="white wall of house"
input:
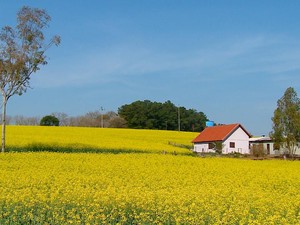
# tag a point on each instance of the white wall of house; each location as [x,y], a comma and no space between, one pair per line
[240,140]
[269,147]
[297,151]
[202,147]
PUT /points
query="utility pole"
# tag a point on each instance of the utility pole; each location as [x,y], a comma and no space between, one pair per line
[178,118]
[101,114]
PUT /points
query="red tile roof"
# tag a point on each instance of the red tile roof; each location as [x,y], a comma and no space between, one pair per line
[217,133]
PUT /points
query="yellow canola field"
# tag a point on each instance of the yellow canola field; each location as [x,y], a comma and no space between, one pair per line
[59,188]
[101,138]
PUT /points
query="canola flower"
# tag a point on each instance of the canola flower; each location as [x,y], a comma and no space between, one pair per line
[88,188]
[111,139]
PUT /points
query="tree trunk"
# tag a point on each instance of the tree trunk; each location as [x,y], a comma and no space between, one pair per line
[3,123]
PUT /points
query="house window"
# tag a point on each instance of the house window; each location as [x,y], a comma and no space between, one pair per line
[232,144]
[211,145]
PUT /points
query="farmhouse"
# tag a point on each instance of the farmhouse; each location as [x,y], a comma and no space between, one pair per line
[226,138]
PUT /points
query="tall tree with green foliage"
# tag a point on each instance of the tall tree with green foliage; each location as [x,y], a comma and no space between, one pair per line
[162,116]
[286,122]
[22,52]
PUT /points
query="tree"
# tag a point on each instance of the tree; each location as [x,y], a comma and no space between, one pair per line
[62,117]
[8,120]
[286,122]
[97,119]
[22,120]
[117,122]
[219,147]
[49,120]
[90,119]
[22,52]
[162,116]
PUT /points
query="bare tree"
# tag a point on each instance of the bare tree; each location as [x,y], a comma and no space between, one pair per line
[29,121]
[63,118]
[9,119]
[97,119]
[22,52]
[117,122]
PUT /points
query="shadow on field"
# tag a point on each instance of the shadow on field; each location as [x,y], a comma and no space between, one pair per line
[75,148]
[71,148]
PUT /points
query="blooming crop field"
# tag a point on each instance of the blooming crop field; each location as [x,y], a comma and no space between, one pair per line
[90,188]
[98,139]
[134,188]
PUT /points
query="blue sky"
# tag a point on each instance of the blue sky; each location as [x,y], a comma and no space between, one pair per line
[230,59]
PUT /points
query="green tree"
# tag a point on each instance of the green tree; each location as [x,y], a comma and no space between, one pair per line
[219,147]
[22,52]
[161,116]
[49,120]
[286,122]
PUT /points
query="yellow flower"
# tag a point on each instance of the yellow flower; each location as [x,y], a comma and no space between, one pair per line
[148,188]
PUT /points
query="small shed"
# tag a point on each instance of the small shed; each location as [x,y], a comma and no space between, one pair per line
[266,142]
[268,145]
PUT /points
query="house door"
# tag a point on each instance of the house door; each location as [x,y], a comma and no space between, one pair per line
[268,149]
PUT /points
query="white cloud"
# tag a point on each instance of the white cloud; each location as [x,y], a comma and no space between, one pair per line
[258,54]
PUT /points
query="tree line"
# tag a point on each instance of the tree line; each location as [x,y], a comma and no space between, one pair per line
[137,115]
[90,119]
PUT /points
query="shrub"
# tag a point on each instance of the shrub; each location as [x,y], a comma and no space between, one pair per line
[49,121]
[258,150]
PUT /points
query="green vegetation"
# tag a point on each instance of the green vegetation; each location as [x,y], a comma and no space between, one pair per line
[286,122]
[49,121]
[162,116]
